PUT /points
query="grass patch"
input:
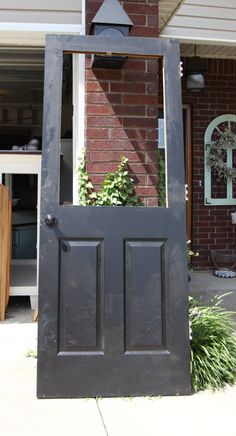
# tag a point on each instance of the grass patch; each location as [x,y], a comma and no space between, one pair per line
[31,353]
[213,346]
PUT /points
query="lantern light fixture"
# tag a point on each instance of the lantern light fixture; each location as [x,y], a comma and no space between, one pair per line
[196,70]
[110,21]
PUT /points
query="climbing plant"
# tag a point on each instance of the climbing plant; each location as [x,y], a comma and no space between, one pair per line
[117,189]
[161,184]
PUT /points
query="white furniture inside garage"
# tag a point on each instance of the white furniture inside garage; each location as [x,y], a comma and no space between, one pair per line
[23,272]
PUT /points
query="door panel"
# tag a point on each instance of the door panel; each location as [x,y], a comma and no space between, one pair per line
[113,305]
[81,283]
[143,295]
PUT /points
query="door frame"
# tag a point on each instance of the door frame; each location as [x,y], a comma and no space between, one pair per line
[187,116]
[188,166]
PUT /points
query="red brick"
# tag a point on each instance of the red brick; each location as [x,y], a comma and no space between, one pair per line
[103,121]
[152,88]
[145,8]
[152,111]
[139,179]
[142,168]
[101,98]
[152,202]
[139,76]
[101,144]
[138,20]
[151,180]
[97,133]
[139,99]
[106,74]
[96,168]
[138,87]
[97,179]
[147,191]
[152,66]
[130,110]
[144,31]
[101,110]
[134,65]
[104,156]
[152,20]
[96,87]
[137,134]
[96,98]
[139,123]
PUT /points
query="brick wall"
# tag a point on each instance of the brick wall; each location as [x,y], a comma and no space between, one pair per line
[121,108]
[211,227]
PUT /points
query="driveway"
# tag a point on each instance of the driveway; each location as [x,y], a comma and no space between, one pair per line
[21,414]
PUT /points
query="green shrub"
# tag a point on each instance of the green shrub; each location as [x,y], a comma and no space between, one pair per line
[117,189]
[213,346]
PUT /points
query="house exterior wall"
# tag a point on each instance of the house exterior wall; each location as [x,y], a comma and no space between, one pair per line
[44,11]
[121,108]
[25,22]
[211,225]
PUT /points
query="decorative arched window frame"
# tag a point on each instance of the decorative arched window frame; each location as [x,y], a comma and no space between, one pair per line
[230,120]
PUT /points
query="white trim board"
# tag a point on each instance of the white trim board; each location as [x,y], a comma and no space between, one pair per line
[34,36]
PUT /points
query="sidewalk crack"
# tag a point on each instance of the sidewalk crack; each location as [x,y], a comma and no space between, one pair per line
[100,413]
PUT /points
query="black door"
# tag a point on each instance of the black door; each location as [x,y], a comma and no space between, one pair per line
[113,309]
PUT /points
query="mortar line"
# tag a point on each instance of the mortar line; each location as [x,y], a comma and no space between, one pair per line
[100,413]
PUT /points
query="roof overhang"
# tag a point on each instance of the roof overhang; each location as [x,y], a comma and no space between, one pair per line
[199,21]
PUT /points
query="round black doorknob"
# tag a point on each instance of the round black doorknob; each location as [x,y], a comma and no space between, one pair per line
[50,220]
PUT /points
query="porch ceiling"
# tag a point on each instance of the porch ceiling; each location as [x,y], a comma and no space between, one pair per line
[200,21]
[208,51]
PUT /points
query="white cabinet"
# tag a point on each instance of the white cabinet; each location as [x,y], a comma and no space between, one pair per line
[24,272]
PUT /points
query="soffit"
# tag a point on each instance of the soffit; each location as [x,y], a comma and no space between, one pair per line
[166,10]
[208,51]
[203,21]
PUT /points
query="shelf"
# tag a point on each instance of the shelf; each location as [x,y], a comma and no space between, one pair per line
[23,276]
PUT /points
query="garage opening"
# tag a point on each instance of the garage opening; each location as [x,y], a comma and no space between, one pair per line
[21,113]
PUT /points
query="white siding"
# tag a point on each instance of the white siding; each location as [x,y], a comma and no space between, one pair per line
[42,11]
[204,20]
[25,22]
[53,5]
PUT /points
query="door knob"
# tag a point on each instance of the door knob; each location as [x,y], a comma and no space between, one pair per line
[50,220]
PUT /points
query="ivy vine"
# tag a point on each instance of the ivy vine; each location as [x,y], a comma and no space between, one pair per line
[217,155]
[161,184]
[117,189]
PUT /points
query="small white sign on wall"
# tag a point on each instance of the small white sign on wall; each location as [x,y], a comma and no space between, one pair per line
[161,133]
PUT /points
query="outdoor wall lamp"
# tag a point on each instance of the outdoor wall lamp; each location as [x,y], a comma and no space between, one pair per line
[112,21]
[196,69]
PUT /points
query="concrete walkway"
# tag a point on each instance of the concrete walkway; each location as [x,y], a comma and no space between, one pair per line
[21,414]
